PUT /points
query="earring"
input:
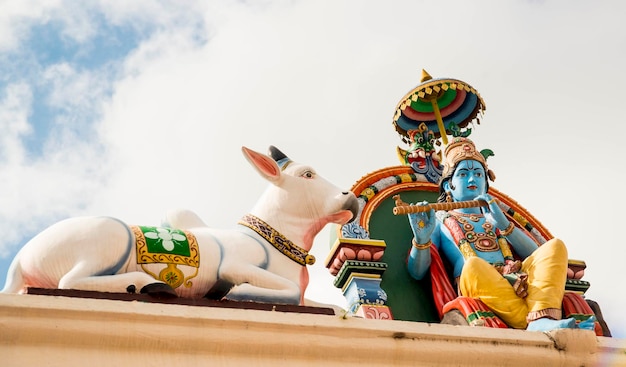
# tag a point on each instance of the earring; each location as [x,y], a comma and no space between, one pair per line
[448,197]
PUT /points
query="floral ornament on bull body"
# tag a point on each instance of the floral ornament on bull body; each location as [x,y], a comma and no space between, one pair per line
[167,239]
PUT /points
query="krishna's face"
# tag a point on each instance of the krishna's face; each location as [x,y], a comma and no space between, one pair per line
[468,181]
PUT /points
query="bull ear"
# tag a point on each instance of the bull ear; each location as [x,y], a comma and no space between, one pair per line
[265,165]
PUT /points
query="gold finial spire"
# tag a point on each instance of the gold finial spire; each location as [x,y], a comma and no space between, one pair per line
[425,76]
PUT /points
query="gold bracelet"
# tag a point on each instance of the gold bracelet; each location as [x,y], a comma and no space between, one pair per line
[421,247]
[508,230]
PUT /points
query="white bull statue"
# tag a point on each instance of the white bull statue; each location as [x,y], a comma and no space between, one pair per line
[263,259]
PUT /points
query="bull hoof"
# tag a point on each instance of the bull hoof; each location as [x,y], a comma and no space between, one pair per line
[159,290]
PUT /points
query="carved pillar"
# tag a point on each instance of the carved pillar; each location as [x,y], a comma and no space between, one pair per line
[358,270]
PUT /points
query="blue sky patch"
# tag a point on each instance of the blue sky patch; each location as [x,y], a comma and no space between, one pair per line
[46,46]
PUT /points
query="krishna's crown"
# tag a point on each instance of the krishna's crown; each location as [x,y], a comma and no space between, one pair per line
[461,149]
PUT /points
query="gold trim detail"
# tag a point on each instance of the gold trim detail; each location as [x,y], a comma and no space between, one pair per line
[466,250]
[508,230]
[145,257]
[424,246]
[170,275]
[505,248]
[553,313]
[280,242]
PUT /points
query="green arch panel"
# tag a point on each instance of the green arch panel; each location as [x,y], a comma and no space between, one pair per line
[409,299]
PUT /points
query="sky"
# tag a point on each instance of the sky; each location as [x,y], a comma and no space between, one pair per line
[132,108]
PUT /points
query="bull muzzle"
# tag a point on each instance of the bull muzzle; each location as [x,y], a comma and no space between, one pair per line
[351,204]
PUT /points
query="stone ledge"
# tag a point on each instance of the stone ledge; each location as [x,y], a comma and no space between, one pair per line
[63,331]
[202,302]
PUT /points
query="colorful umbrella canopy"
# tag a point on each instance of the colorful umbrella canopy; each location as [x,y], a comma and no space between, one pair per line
[442,104]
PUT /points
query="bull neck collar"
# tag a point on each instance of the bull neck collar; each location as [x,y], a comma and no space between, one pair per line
[276,239]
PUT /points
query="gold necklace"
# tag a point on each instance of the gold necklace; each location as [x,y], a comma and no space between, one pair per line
[483,241]
[280,242]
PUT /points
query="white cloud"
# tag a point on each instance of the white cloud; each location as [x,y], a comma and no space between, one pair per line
[71,89]
[37,190]
[16,17]
[14,112]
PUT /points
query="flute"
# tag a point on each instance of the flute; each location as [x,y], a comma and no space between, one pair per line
[405,208]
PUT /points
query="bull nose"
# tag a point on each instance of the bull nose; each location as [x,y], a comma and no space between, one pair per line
[352,204]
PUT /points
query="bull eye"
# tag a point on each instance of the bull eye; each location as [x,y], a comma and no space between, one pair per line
[308,174]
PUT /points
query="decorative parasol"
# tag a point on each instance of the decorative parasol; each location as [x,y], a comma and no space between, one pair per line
[442,104]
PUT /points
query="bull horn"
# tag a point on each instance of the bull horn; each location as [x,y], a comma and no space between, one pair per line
[279,157]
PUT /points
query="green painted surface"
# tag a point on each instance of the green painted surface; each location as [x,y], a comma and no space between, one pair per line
[444,100]
[409,299]
[166,241]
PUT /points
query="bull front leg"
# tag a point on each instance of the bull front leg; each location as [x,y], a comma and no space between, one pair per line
[255,284]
